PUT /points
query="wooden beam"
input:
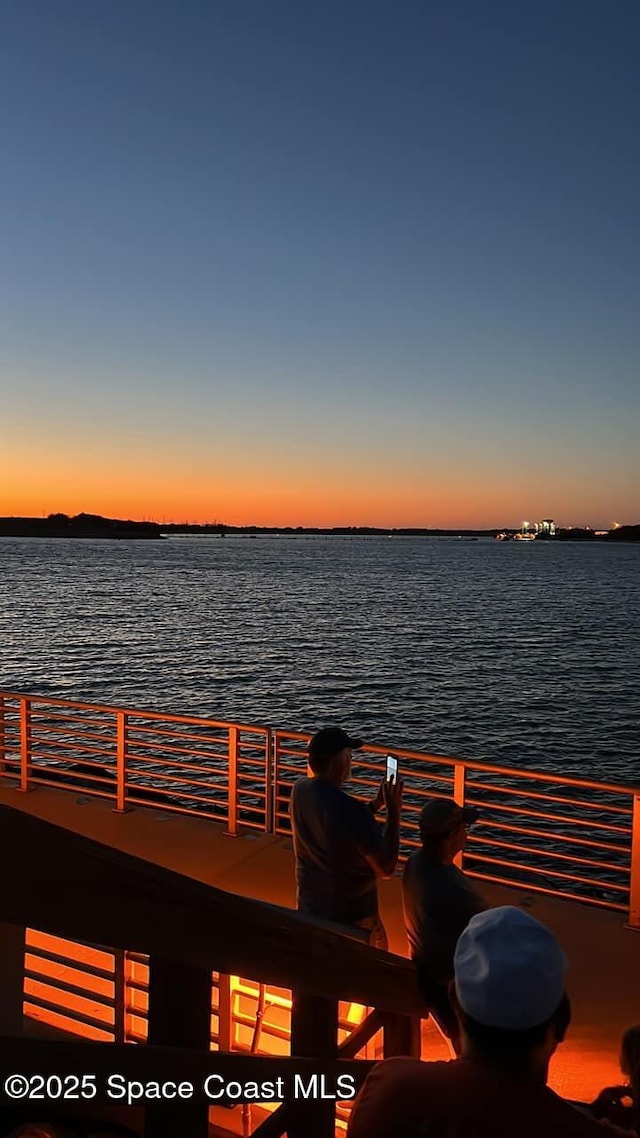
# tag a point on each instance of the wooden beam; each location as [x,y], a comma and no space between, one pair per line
[144,1063]
[179,1016]
[314,1033]
[361,1036]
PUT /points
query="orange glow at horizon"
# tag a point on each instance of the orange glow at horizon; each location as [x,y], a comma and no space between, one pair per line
[286,490]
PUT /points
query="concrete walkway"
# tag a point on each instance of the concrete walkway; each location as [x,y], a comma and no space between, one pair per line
[604,976]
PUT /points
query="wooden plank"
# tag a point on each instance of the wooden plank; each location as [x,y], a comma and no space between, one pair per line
[84,890]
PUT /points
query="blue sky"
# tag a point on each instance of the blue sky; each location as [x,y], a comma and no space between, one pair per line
[350,262]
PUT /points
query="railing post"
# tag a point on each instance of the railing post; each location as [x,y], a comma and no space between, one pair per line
[401,1035]
[25,744]
[121,761]
[276,780]
[12,950]
[232,826]
[314,1034]
[269,787]
[179,1016]
[634,887]
[225,1013]
[119,995]
[3,746]
[459,773]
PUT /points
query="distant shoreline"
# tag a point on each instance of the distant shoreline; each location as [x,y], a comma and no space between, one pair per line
[94,526]
[82,526]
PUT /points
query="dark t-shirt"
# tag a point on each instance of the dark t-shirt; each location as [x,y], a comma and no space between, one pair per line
[332,834]
[404,1098]
[439,901]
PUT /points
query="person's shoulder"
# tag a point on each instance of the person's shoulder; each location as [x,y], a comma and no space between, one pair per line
[460,880]
[576,1123]
[412,866]
[430,874]
[399,1094]
[406,1073]
[395,1095]
[303,789]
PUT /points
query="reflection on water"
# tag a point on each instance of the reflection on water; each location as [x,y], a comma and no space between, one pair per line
[523,653]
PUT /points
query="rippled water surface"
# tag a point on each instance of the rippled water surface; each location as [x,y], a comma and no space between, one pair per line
[527,653]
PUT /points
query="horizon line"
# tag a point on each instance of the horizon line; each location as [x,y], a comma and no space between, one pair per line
[217,524]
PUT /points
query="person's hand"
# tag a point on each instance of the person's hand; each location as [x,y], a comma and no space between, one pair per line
[609,1097]
[392,792]
[378,802]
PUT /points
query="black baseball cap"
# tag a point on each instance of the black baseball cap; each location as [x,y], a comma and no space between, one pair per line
[329,741]
[442,815]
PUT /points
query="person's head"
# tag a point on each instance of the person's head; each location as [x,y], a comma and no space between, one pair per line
[630,1056]
[443,828]
[330,754]
[509,990]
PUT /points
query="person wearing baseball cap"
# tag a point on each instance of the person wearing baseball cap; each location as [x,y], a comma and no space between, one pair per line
[509,995]
[340,849]
[438,901]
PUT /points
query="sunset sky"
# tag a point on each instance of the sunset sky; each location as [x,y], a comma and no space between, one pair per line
[346,262]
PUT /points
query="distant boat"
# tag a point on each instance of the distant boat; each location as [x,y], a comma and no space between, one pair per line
[524,536]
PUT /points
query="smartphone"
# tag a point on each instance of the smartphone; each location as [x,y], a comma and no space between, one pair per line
[392,768]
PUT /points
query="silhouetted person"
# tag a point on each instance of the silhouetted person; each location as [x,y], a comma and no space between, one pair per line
[339,847]
[513,1011]
[621,1104]
[438,902]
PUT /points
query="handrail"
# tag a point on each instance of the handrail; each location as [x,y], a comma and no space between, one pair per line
[205,721]
[89,892]
[166,1064]
[477,764]
[113,898]
[241,775]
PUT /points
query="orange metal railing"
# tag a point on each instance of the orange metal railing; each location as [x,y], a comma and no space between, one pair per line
[560,835]
[186,764]
[563,836]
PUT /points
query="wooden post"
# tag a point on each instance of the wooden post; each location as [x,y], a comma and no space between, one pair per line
[401,1036]
[119,995]
[314,1034]
[634,886]
[179,1016]
[12,950]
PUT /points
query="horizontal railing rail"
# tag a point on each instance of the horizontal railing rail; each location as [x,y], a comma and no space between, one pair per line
[561,835]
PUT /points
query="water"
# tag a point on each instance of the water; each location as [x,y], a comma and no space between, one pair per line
[519,653]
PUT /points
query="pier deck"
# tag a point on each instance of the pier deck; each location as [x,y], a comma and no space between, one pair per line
[604,956]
